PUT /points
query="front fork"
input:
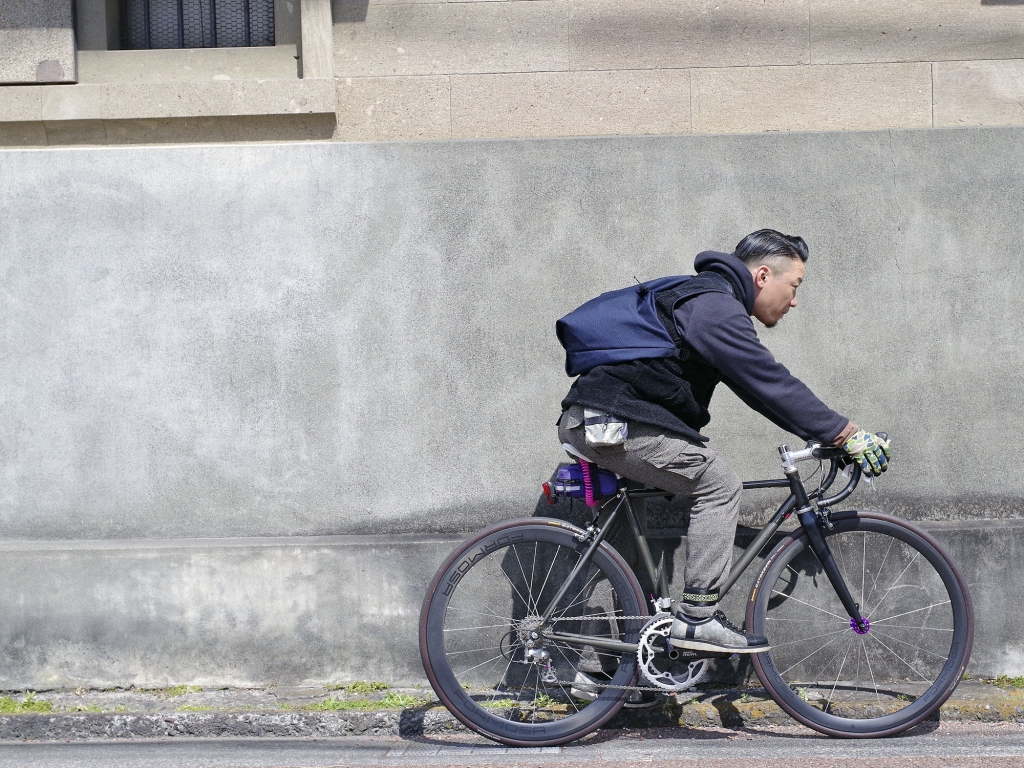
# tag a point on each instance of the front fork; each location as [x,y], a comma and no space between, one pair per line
[812,524]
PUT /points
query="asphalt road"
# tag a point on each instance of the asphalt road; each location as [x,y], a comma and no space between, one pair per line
[951,744]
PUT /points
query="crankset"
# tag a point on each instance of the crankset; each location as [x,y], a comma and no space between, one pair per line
[666,667]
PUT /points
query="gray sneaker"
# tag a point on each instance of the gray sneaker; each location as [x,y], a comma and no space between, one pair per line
[714,634]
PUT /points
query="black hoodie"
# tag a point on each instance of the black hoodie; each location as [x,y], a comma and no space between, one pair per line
[674,393]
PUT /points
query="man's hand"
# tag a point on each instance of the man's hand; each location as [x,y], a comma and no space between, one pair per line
[869,451]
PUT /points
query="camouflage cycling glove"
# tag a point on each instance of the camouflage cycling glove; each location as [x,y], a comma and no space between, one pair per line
[869,451]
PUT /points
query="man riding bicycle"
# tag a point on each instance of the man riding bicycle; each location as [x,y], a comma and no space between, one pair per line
[663,403]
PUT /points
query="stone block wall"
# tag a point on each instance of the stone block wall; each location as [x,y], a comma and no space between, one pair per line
[520,68]
[37,41]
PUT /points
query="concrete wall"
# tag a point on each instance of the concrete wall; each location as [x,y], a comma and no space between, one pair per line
[319,339]
[251,612]
[298,340]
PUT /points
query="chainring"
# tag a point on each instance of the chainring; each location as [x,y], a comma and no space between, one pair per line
[655,665]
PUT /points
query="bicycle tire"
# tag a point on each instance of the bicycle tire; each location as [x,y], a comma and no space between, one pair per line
[910,667]
[479,611]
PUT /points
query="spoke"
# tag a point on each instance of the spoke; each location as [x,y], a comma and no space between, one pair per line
[863,570]
[804,602]
[874,683]
[878,570]
[911,666]
[536,691]
[475,666]
[907,613]
[805,639]
[576,598]
[805,658]
[915,647]
[834,657]
[547,576]
[477,611]
[512,584]
[533,574]
[473,650]
[531,606]
[897,581]
[856,680]
[584,599]
[839,674]
[597,652]
[904,626]
[575,672]
[504,674]
[464,629]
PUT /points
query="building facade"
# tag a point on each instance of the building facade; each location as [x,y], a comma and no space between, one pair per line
[378,70]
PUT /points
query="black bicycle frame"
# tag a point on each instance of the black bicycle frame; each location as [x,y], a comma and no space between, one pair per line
[811,514]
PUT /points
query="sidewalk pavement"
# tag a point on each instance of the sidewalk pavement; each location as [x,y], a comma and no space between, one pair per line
[366,710]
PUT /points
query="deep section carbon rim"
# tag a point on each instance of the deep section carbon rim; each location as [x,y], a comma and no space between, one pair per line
[482,610]
[872,681]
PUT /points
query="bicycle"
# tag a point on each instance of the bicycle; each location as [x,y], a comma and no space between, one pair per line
[870,623]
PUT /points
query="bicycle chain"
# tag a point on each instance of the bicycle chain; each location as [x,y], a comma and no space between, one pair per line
[602,616]
[609,685]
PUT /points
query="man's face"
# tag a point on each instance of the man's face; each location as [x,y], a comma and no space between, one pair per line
[775,290]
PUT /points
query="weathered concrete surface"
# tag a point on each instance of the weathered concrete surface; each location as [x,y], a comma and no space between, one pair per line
[268,714]
[234,612]
[303,340]
[321,338]
[245,612]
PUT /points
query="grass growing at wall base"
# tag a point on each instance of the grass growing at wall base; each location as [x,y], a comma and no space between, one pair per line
[172,691]
[390,700]
[28,703]
[1005,681]
[359,686]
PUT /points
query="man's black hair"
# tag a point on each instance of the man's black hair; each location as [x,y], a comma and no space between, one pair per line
[766,246]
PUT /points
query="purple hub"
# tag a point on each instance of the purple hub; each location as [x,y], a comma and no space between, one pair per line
[858,630]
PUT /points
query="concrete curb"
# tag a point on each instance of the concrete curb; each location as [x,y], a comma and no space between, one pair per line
[729,709]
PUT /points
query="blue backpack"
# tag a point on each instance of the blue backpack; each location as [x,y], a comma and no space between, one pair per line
[623,325]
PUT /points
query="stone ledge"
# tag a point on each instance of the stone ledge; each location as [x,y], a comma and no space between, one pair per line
[129,101]
[165,65]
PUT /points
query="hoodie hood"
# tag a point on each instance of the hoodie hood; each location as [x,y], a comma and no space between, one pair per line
[732,269]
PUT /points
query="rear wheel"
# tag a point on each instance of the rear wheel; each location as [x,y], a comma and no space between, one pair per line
[878,682]
[482,610]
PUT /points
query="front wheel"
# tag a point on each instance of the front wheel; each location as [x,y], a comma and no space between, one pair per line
[886,676]
[484,646]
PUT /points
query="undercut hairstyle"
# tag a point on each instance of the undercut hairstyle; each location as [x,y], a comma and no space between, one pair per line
[774,249]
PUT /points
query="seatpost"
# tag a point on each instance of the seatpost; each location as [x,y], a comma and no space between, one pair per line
[809,520]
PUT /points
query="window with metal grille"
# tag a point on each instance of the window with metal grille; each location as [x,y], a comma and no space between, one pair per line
[196,23]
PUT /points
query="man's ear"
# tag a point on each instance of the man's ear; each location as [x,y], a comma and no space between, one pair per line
[761,275]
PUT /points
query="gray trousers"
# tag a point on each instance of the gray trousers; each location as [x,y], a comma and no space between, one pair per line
[674,464]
